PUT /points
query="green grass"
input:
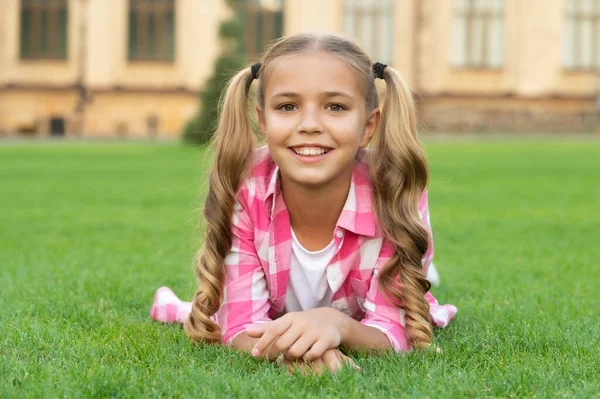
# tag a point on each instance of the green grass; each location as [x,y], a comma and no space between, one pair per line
[89,231]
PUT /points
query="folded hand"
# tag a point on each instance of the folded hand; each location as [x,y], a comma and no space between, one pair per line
[303,335]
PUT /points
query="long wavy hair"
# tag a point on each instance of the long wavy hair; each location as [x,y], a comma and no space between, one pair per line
[399,175]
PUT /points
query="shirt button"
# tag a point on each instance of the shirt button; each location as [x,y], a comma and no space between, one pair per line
[339,233]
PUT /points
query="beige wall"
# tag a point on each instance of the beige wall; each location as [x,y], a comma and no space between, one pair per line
[327,16]
[34,72]
[4,42]
[313,16]
[129,113]
[27,110]
[196,46]
[106,47]
[435,73]
[536,40]
[405,17]
[126,94]
[532,61]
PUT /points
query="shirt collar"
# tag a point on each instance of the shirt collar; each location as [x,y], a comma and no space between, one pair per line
[273,186]
[358,214]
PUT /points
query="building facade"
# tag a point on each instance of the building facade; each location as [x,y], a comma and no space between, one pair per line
[479,65]
[134,67]
[104,67]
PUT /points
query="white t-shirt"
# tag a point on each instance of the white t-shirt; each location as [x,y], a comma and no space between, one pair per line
[308,287]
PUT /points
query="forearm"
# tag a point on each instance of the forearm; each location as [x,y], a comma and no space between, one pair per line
[244,342]
[358,336]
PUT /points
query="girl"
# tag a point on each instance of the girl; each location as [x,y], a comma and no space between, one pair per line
[313,241]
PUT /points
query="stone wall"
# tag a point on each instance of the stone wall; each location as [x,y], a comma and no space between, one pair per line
[534,117]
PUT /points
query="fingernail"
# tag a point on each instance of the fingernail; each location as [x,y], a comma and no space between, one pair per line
[254,352]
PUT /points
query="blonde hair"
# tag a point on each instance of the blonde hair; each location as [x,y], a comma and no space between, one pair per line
[399,177]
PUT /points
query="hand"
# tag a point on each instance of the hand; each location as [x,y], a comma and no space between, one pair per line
[332,360]
[296,335]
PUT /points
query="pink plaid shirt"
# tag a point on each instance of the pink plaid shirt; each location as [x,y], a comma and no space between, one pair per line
[258,265]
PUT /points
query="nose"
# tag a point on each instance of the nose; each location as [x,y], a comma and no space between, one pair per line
[310,121]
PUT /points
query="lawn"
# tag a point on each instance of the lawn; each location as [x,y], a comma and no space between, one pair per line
[88,231]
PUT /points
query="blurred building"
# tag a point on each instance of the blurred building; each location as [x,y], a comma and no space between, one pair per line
[134,67]
[104,67]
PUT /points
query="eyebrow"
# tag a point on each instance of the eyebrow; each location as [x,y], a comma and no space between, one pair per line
[328,94]
[286,94]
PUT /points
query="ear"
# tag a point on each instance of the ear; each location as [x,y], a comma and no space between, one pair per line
[261,120]
[370,127]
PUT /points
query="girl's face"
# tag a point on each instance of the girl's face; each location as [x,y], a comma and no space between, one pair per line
[315,118]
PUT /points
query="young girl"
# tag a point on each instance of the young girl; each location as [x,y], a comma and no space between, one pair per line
[314,241]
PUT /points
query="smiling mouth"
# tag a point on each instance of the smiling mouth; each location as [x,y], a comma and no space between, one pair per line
[310,151]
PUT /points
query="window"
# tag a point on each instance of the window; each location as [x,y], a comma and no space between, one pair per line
[152,30]
[264,23]
[478,34]
[44,29]
[370,22]
[581,35]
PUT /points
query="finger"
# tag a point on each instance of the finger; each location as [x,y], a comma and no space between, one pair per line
[331,360]
[293,367]
[281,361]
[317,367]
[270,335]
[288,366]
[257,331]
[283,343]
[304,368]
[300,347]
[271,353]
[316,351]
[349,361]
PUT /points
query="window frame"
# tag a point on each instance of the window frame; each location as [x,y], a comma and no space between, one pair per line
[151,31]
[378,44]
[574,16]
[264,22]
[45,35]
[478,15]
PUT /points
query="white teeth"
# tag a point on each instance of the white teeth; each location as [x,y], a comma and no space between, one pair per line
[309,151]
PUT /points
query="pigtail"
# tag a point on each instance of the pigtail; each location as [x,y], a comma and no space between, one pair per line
[234,147]
[400,175]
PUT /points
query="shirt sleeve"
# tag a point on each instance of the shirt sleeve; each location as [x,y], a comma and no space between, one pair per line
[245,295]
[379,312]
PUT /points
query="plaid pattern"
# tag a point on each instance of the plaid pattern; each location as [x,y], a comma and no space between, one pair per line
[258,265]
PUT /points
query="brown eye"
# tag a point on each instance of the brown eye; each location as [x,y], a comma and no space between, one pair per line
[336,107]
[287,107]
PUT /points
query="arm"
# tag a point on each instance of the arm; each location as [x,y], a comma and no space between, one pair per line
[330,359]
[357,335]
[245,295]
[325,328]
[244,342]
[380,313]
[308,334]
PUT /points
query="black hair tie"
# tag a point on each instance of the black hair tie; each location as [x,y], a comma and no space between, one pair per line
[378,68]
[255,68]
